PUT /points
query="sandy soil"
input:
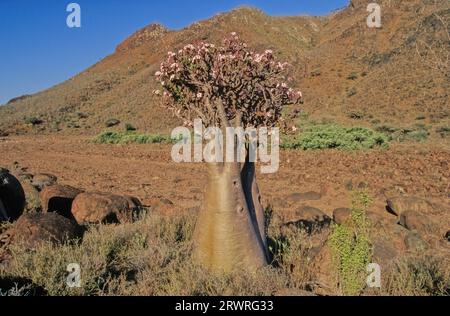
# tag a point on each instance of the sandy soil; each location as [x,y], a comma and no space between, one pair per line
[147,171]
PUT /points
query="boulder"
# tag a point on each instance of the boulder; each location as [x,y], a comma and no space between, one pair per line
[58,199]
[12,197]
[310,218]
[96,207]
[399,205]
[41,180]
[32,229]
[341,215]
[415,243]
[383,251]
[413,220]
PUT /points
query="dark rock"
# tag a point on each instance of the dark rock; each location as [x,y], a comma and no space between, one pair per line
[399,205]
[413,220]
[310,218]
[341,215]
[308,196]
[32,229]
[12,197]
[91,208]
[59,199]
[42,180]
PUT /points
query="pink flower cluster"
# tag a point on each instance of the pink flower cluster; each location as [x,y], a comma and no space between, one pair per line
[225,84]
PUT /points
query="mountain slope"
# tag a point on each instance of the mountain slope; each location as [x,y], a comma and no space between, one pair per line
[347,71]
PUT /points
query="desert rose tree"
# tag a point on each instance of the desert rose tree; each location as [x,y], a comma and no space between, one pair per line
[228,86]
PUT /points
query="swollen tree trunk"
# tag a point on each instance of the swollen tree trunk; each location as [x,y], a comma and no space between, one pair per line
[230,231]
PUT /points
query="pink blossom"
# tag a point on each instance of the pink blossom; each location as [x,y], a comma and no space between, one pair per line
[158,73]
[199,95]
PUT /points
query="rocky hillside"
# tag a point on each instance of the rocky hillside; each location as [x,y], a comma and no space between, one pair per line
[397,75]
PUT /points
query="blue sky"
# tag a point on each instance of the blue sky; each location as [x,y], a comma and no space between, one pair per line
[38,50]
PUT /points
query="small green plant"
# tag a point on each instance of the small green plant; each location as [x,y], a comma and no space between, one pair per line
[353,76]
[350,246]
[33,121]
[112,122]
[316,72]
[443,131]
[330,136]
[130,128]
[351,92]
[355,115]
[418,276]
[111,137]
[416,133]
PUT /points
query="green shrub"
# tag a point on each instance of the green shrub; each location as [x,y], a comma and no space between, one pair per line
[444,131]
[329,136]
[130,128]
[418,276]
[353,76]
[355,115]
[350,246]
[351,92]
[33,121]
[316,72]
[111,137]
[416,133]
[112,122]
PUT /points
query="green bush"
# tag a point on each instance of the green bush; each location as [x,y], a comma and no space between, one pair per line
[416,133]
[112,122]
[444,131]
[350,246]
[33,121]
[130,138]
[329,136]
[418,276]
[130,128]
[353,76]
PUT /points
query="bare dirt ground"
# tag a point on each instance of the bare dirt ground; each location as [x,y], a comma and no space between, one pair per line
[147,172]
